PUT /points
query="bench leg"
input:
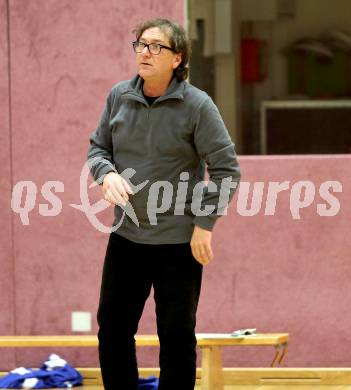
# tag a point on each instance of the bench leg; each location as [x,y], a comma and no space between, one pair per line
[278,354]
[212,371]
[285,350]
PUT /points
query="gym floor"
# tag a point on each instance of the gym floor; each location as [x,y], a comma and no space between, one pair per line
[264,387]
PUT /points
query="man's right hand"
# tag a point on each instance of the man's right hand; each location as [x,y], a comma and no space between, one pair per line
[116,189]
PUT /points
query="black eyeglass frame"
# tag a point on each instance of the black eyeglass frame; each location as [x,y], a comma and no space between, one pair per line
[148,44]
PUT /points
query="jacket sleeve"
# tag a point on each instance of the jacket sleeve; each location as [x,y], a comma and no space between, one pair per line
[215,147]
[100,152]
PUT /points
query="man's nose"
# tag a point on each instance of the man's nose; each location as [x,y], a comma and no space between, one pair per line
[146,51]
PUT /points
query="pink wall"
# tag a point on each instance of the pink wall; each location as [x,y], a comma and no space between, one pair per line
[6,236]
[275,273]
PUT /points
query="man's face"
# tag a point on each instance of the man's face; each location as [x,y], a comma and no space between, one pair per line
[156,66]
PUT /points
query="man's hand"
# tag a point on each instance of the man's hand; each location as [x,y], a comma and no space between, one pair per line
[201,245]
[116,189]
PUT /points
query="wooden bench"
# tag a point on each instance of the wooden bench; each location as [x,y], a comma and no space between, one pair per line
[210,344]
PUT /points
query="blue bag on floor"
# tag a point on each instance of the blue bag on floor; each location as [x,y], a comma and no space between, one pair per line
[55,372]
[150,383]
[61,373]
[21,377]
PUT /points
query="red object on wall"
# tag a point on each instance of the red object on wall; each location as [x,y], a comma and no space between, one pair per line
[253,56]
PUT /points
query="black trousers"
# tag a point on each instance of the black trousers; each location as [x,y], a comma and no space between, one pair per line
[130,270]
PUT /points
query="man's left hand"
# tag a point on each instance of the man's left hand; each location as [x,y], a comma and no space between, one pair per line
[201,245]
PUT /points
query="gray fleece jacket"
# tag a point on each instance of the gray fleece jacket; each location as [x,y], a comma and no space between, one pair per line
[162,150]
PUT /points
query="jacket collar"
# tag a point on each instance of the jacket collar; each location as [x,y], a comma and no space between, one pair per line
[134,91]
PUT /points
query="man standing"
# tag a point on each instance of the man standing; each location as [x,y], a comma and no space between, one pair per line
[156,133]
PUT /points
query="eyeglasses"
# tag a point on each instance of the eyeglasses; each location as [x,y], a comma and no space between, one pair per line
[154,48]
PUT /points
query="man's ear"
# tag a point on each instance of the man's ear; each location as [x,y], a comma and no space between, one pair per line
[177,60]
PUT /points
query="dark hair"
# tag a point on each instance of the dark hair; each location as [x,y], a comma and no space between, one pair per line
[177,38]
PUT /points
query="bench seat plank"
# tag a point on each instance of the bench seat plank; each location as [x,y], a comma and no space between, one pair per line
[203,340]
